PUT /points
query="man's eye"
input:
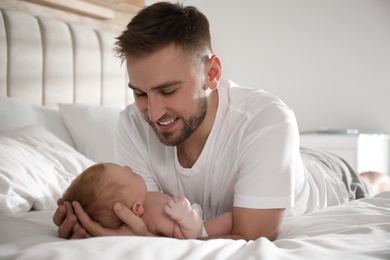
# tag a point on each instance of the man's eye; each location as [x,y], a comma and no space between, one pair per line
[168,92]
[139,93]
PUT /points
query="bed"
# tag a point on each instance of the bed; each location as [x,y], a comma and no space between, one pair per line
[61,90]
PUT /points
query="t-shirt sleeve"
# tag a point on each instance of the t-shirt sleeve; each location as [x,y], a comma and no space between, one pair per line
[267,160]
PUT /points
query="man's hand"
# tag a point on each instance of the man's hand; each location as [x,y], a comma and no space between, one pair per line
[178,207]
[67,223]
[133,225]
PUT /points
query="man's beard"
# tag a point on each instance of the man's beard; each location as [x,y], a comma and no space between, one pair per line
[189,128]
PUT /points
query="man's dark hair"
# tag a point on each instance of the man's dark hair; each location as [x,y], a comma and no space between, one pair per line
[161,24]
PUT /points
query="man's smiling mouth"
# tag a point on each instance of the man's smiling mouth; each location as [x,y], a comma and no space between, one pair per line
[165,123]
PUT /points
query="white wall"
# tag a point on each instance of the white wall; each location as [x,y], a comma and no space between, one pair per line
[328,60]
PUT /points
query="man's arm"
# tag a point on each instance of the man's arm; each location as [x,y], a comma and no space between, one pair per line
[251,224]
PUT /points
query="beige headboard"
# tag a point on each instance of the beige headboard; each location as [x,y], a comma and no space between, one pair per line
[45,61]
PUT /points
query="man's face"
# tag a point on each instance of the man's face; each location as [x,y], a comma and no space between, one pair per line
[169,92]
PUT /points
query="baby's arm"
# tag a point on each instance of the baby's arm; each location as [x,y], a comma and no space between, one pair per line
[189,222]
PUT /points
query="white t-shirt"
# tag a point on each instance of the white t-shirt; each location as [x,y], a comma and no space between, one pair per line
[251,158]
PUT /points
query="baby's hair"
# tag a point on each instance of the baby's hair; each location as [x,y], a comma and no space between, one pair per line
[96,194]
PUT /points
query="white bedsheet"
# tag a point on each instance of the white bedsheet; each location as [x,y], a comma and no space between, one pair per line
[356,230]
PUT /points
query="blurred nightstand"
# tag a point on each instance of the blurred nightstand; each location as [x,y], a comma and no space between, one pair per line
[364,152]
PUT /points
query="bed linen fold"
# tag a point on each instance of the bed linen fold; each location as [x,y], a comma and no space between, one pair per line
[356,230]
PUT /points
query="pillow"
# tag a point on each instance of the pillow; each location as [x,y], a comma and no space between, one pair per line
[92,129]
[15,114]
[35,169]
[52,121]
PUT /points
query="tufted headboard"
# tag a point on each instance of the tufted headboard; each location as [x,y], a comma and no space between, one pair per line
[45,61]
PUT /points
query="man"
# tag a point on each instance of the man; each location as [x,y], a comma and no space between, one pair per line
[225,147]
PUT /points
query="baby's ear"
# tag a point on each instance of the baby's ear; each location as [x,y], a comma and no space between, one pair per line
[137,208]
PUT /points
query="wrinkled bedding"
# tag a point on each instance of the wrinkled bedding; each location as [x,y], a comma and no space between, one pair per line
[356,230]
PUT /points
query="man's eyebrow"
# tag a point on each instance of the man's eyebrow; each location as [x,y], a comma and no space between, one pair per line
[161,86]
[131,86]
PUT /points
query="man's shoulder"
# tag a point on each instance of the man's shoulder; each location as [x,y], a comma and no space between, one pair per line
[247,96]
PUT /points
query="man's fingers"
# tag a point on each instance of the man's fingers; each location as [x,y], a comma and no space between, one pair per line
[135,223]
[80,233]
[65,230]
[59,202]
[90,226]
[64,219]
[59,215]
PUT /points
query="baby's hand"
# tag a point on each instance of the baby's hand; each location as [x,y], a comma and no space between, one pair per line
[178,207]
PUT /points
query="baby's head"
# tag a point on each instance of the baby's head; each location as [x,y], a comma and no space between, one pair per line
[103,184]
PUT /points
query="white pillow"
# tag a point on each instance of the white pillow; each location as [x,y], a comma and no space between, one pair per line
[52,121]
[35,169]
[92,129]
[15,114]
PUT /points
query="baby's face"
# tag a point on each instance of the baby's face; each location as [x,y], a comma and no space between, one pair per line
[132,180]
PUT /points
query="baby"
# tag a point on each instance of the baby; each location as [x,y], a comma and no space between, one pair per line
[103,184]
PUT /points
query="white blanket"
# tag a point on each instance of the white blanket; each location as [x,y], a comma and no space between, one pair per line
[357,230]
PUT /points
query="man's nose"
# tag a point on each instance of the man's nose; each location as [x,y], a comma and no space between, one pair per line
[156,108]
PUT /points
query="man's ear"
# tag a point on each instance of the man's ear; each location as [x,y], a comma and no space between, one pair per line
[137,208]
[214,72]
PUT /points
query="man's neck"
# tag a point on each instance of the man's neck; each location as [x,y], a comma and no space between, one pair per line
[189,151]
